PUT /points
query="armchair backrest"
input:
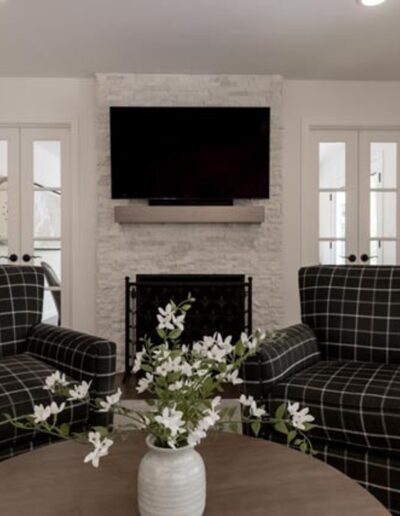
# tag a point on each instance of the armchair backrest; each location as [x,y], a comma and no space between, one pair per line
[21,304]
[354,311]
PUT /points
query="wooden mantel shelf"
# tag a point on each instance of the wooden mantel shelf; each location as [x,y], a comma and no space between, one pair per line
[189,214]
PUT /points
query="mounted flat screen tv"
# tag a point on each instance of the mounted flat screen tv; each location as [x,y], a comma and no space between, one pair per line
[190,153]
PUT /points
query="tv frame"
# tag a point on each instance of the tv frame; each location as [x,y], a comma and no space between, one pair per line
[189,201]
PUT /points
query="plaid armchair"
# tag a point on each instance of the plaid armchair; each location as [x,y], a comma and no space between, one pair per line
[344,363]
[30,351]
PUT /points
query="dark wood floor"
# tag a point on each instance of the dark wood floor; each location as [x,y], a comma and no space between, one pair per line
[129,389]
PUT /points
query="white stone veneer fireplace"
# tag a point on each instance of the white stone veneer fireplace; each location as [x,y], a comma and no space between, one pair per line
[127,250]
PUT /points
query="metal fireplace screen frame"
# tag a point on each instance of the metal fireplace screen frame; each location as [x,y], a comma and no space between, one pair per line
[223,303]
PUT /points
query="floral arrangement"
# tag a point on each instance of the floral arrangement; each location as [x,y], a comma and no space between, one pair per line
[184,383]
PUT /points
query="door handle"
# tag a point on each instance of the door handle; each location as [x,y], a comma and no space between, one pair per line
[351,257]
[27,257]
[364,257]
[13,257]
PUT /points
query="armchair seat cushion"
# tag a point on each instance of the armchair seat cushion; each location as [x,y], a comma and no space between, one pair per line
[353,402]
[21,386]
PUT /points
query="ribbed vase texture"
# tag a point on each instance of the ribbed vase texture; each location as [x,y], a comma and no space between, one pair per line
[171,482]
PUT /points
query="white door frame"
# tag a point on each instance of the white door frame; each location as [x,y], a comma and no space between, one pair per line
[307,126]
[72,189]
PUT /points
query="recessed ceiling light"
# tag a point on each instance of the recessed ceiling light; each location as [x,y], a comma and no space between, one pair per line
[370,3]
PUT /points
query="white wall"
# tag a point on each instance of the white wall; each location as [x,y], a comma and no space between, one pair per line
[324,101]
[331,102]
[55,100]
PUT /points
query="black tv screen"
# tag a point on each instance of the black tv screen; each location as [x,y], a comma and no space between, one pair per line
[190,153]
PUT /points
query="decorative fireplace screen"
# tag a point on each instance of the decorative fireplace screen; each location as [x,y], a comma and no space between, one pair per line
[223,303]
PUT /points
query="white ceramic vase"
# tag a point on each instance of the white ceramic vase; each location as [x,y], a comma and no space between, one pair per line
[171,482]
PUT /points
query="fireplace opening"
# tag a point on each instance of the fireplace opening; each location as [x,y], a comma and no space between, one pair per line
[223,304]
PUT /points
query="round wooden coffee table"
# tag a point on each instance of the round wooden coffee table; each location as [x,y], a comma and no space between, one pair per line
[245,477]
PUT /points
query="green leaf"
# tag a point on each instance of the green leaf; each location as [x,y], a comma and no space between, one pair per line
[102,430]
[303,447]
[280,411]
[256,427]
[174,334]
[239,348]
[161,333]
[231,412]
[187,307]
[281,427]
[309,426]
[291,435]
[233,427]
[64,429]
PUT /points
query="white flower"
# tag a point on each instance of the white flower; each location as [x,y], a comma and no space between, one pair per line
[55,409]
[225,344]
[179,320]
[248,342]
[41,413]
[233,378]
[299,417]
[216,402]
[162,369]
[216,353]
[54,380]
[144,383]
[165,318]
[111,400]
[261,335]
[175,386]
[171,419]
[195,436]
[246,401]
[169,366]
[256,411]
[186,369]
[138,361]
[79,392]
[250,402]
[101,447]
[293,407]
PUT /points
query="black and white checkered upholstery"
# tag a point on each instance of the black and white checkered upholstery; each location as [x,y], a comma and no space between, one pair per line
[78,355]
[355,403]
[21,302]
[354,311]
[30,351]
[353,387]
[21,386]
[295,349]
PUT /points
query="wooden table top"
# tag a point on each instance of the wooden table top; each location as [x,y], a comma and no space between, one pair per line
[245,477]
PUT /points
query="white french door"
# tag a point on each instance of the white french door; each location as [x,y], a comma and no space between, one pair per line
[351,198]
[34,221]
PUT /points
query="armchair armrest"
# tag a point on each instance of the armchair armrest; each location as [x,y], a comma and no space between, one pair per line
[78,355]
[294,351]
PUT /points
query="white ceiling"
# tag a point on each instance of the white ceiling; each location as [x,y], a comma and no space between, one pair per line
[300,39]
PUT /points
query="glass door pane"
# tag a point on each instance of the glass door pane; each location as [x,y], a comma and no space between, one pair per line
[379,188]
[43,170]
[3,200]
[9,196]
[332,202]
